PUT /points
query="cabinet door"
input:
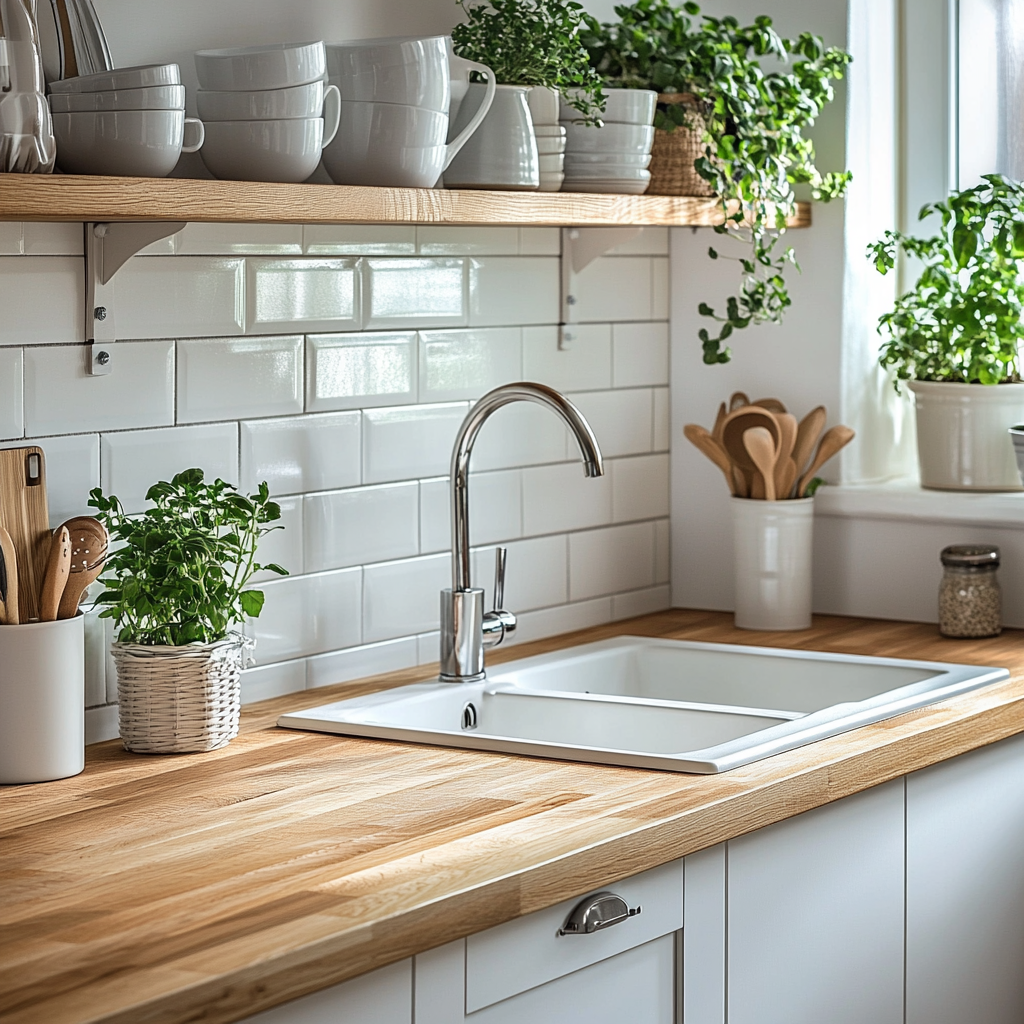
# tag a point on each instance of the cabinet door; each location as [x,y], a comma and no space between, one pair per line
[965,888]
[815,915]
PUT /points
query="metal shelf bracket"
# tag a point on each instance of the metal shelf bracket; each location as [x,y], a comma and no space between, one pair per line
[580,247]
[107,248]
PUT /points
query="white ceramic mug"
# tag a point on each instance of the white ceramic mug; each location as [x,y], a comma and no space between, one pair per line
[410,72]
[310,100]
[285,150]
[272,66]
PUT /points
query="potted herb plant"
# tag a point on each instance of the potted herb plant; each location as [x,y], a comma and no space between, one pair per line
[728,127]
[175,586]
[954,335]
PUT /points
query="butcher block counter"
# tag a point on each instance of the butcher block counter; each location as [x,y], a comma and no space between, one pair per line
[212,886]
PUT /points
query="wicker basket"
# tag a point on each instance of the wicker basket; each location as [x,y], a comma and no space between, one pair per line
[674,153]
[176,700]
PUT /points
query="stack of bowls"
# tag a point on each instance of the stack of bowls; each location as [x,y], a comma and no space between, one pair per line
[550,135]
[267,112]
[129,121]
[614,157]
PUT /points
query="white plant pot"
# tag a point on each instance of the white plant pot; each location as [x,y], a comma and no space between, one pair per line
[963,442]
[543,103]
[772,547]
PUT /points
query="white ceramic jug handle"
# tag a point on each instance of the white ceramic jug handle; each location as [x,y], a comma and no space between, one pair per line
[198,132]
[463,137]
[332,113]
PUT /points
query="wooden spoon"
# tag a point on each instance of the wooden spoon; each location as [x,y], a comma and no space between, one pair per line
[56,576]
[831,442]
[88,555]
[771,404]
[702,440]
[716,430]
[737,400]
[743,419]
[807,434]
[10,602]
[785,467]
[763,453]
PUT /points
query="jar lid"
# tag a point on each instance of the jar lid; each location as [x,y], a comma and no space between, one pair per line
[971,556]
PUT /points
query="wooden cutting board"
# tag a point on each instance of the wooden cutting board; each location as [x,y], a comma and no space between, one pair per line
[24,514]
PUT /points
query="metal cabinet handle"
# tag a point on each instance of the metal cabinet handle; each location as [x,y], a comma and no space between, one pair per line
[601,910]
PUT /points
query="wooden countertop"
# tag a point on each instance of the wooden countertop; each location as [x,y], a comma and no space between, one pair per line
[212,886]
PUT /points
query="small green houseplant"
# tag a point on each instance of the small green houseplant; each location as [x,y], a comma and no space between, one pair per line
[176,584]
[954,334]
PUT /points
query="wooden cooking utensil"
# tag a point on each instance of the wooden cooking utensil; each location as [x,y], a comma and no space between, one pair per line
[10,596]
[56,576]
[807,434]
[716,430]
[24,515]
[831,442]
[704,442]
[761,448]
[743,419]
[737,400]
[771,404]
[785,467]
[88,554]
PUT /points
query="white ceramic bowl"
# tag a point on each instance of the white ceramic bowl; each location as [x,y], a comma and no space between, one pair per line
[550,147]
[273,66]
[636,160]
[144,76]
[135,143]
[623,106]
[605,172]
[262,105]
[412,72]
[282,150]
[616,185]
[612,138]
[156,97]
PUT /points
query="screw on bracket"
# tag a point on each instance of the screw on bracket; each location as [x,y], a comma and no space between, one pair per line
[100,313]
[103,358]
[570,300]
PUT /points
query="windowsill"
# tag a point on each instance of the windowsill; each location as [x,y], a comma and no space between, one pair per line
[906,500]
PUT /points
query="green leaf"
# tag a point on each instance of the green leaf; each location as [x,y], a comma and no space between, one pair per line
[252,602]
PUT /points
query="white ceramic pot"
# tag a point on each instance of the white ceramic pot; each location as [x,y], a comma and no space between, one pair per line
[272,66]
[772,549]
[612,138]
[265,104]
[963,442]
[42,700]
[503,152]
[144,76]
[285,150]
[156,97]
[551,182]
[622,106]
[543,103]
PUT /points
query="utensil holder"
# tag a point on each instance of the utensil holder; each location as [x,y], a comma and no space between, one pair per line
[42,700]
[772,544]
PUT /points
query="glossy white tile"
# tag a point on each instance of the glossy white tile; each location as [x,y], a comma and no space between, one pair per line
[101,724]
[42,298]
[468,363]
[180,297]
[559,498]
[307,615]
[660,302]
[662,426]
[620,419]
[611,560]
[356,371]
[400,598]
[95,659]
[132,461]
[361,239]
[640,354]
[583,364]
[566,619]
[428,648]
[232,378]
[239,239]
[72,471]
[452,241]
[614,288]
[415,293]
[536,573]
[12,387]
[521,434]
[507,290]
[40,238]
[266,681]
[651,241]
[408,442]
[495,501]
[359,662]
[640,487]
[11,241]
[301,453]
[302,294]
[283,546]
[662,550]
[362,525]
[640,602]
[62,398]
[540,241]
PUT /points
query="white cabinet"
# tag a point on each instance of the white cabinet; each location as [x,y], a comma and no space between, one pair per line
[965,888]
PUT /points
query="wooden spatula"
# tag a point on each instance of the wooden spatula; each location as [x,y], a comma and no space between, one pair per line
[831,442]
[703,441]
[24,515]
[88,555]
[9,595]
[56,575]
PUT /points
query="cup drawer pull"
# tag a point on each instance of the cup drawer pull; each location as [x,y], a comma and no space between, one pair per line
[596,912]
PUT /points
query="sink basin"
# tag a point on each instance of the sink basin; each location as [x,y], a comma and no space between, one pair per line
[646,703]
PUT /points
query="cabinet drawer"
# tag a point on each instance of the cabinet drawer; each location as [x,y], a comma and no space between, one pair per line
[521,954]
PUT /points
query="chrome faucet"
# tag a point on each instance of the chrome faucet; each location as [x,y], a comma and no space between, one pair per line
[466,630]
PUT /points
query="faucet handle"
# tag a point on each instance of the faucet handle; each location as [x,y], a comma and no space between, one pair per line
[499,578]
[498,624]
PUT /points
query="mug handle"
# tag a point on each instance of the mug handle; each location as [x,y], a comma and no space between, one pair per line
[332,113]
[198,132]
[462,138]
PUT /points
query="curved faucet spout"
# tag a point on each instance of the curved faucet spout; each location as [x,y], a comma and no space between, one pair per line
[593,463]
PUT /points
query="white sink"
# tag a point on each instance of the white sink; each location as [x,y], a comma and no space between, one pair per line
[647,703]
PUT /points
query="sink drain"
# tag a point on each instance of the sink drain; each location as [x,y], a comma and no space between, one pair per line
[469,716]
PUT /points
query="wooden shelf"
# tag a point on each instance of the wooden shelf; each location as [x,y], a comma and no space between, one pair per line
[31,197]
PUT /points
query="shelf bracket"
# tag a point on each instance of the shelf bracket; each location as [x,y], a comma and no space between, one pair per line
[580,247]
[107,248]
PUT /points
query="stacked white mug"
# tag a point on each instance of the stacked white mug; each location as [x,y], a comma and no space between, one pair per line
[550,137]
[267,112]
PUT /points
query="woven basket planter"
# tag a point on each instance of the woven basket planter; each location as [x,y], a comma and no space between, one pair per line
[674,152]
[177,700]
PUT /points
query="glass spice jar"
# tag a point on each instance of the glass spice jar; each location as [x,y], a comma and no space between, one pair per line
[970,601]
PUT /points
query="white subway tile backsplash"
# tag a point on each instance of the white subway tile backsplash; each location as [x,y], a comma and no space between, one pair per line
[611,560]
[408,442]
[659,289]
[101,724]
[521,434]
[582,364]
[662,429]
[621,420]
[650,241]
[495,501]
[428,648]
[662,551]
[566,619]
[640,354]
[40,238]
[62,398]
[283,545]
[12,386]
[359,526]
[229,378]
[359,662]
[302,453]
[640,488]
[303,295]
[11,243]
[43,300]
[356,371]
[442,240]
[266,681]
[95,659]
[415,293]
[180,297]
[131,462]
[400,598]
[640,602]
[540,241]
[239,239]
[536,573]
[468,363]
[72,471]
[513,290]
[560,498]
[614,288]
[359,239]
